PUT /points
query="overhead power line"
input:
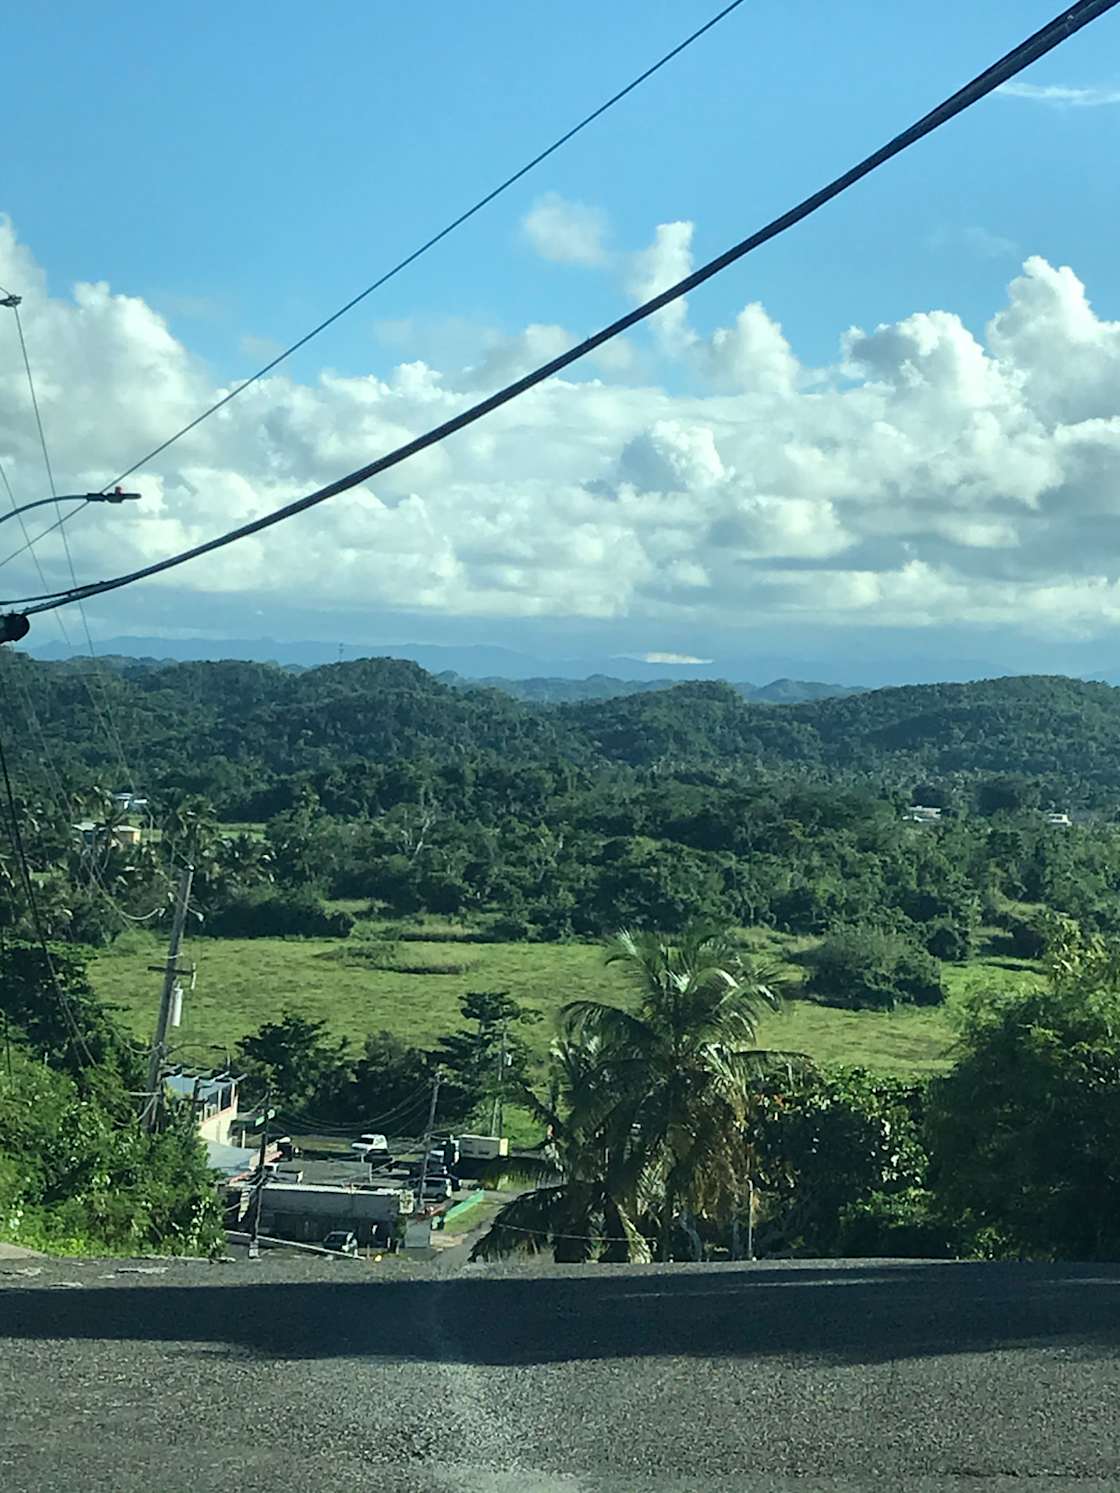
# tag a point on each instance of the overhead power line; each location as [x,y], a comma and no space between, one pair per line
[104,710]
[435,239]
[15,836]
[1027,52]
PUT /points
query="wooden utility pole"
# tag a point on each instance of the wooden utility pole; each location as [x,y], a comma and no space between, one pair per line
[428,1137]
[254,1227]
[497,1110]
[153,1095]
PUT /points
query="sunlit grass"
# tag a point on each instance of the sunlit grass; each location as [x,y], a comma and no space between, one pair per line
[244,982]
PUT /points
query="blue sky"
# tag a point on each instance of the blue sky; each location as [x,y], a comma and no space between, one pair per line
[243,172]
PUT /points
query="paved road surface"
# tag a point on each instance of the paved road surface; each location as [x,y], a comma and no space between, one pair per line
[306,1374]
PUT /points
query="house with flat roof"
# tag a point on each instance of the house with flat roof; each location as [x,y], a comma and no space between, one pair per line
[214,1097]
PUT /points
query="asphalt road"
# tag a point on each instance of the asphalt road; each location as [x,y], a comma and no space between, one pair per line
[308,1374]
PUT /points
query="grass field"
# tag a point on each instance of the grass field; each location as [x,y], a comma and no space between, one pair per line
[244,982]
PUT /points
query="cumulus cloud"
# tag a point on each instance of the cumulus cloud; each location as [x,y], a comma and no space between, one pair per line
[652,270]
[929,477]
[666,658]
[566,232]
[1060,96]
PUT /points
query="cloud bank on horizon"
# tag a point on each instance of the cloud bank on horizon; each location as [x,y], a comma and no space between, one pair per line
[927,477]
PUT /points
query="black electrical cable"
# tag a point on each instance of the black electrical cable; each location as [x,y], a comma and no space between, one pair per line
[16,836]
[1020,57]
[434,240]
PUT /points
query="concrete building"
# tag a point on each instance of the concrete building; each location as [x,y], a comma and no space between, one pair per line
[308,1212]
[922,814]
[92,833]
[215,1102]
[232,1163]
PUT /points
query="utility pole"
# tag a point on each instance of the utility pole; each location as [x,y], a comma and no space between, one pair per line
[428,1137]
[254,1227]
[497,1115]
[170,971]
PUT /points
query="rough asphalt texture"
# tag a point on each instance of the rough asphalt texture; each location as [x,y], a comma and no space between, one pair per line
[340,1377]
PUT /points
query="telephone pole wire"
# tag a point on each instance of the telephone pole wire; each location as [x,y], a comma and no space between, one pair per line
[258,1193]
[153,1089]
[497,1109]
[428,1137]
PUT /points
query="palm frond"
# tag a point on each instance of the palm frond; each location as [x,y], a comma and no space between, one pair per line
[525,1171]
[610,1025]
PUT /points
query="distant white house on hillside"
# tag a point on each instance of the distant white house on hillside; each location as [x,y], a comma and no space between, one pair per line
[922,814]
[1058,819]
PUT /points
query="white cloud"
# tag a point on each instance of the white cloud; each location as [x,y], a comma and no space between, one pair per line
[666,261]
[566,232]
[931,477]
[666,658]
[1060,96]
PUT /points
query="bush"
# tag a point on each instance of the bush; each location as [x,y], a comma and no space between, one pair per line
[267,913]
[864,968]
[836,1138]
[512,927]
[905,1225]
[1023,1132]
[1026,936]
[917,978]
[947,940]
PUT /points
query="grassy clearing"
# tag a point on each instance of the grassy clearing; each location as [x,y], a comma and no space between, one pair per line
[243,982]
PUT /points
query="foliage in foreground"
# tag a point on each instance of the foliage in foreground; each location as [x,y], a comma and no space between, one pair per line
[77,1173]
[674,1123]
[1024,1132]
[655,1100]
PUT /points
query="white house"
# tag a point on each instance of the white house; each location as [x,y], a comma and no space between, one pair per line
[922,814]
[215,1102]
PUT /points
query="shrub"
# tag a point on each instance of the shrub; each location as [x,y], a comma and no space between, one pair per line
[903,1225]
[268,913]
[865,968]
[947,940]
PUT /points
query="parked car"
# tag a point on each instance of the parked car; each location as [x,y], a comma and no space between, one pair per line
[342,1241]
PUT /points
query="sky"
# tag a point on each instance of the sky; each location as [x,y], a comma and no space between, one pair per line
[884,447]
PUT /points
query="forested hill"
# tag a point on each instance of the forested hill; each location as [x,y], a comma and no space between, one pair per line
[213,726]
[1040,725]
[550,691]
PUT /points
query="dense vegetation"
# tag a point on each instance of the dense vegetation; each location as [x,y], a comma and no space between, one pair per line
[77,1172]
[231,730]
[371,792]
[671,1130]
[550,691]
[376,783]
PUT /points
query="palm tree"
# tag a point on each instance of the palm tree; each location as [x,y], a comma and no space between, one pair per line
[586,1188]
[681,1064]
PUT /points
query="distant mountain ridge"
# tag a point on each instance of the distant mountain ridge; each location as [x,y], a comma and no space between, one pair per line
[471,666]
[462,666]
[212,727]
[552,691]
